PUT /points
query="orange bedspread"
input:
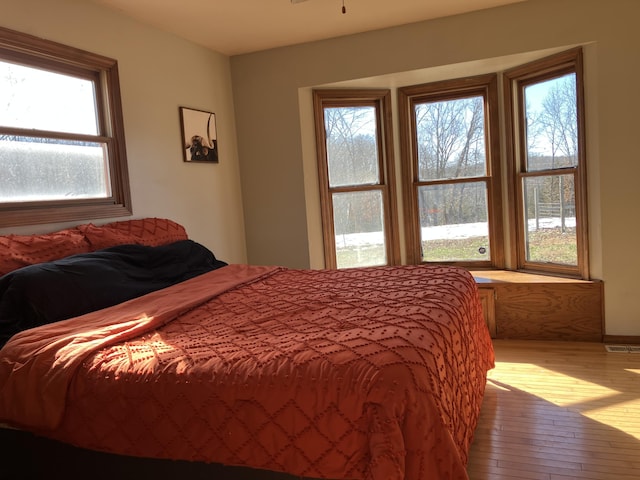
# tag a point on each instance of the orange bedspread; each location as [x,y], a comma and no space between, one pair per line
[373,373]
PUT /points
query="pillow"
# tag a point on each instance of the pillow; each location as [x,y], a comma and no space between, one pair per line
[146,231]
[69,287]
[17,251]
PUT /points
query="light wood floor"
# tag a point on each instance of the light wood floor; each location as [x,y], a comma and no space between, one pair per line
[559,411]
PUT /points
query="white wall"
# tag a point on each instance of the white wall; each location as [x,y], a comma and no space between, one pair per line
[158,73]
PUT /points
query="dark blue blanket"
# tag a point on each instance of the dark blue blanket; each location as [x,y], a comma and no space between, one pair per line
[54,291]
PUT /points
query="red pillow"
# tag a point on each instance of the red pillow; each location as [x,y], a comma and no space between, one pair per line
[17,251]
[151,232]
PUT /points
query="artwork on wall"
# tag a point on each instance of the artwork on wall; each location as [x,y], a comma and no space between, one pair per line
[199,137]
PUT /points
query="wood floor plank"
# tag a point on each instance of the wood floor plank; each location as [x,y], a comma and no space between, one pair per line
[558,411]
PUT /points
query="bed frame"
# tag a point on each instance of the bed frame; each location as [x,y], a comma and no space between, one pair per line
[27,456]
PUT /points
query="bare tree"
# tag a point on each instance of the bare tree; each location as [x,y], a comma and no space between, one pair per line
[552,126]
[450,143]
[559,117]
[351,145]
[352,158]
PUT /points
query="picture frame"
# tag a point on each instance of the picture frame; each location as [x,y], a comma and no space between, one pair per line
[199,136]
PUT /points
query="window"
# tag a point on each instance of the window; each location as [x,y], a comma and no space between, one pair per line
[62,151]
[355,165]
[451,172]
[544,107]
[457,207]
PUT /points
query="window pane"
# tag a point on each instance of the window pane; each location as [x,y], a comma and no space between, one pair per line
[550,219]
[359,229]
[352,152]
[36,169]
[450,139]
[552,123]
[454,222]
[38,99]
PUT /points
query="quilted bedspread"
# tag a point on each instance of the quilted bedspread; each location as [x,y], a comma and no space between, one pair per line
[374,373]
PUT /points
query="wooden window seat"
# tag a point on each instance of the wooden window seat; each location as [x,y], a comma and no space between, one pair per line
[530,306]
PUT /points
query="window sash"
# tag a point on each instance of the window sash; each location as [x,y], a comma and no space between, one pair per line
[43,169]
[338,252]
[549,232]
[490,251]
[367,246]
[521,170]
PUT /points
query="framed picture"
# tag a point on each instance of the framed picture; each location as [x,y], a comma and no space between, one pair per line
[199,138]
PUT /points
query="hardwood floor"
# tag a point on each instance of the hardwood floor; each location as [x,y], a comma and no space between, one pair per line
[559,411]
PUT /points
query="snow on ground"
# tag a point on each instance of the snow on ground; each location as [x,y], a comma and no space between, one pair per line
[465,230]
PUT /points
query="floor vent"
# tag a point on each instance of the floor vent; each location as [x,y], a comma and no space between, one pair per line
[623,348]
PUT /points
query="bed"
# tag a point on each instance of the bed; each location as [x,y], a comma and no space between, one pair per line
[132,339]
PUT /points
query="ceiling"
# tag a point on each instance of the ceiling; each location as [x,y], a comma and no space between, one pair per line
[234,27]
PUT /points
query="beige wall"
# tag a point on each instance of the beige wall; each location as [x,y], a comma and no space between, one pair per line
[275,136]
[158,73]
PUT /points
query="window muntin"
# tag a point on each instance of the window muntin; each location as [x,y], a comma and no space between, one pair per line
[545,104]
[449,164]
[62,152]
[355,165]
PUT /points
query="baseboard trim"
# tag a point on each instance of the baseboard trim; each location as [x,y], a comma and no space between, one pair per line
[621,339]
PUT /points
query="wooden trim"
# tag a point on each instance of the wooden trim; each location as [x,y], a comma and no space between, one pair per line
[494,168]
[387,165]
[622,339]
[581,179]
[323,181]
[510,149]
[487,298]
[37,51]
[408,153]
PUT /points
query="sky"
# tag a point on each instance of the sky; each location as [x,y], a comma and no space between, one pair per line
[33,98]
